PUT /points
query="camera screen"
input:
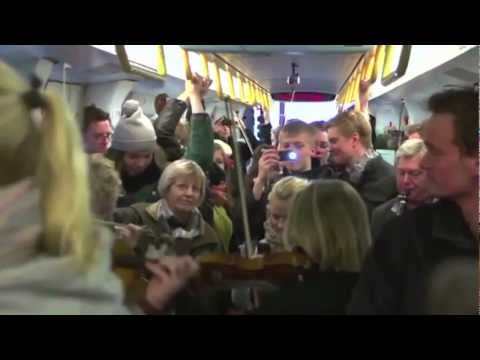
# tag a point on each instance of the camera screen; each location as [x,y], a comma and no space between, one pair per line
[287,155]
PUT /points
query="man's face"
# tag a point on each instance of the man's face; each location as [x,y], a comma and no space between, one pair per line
[160,104]
[415,135]
[302,144]
[342,148]
[98,137]
[412,179]
[135,163]
[221,130]
[184,195]
[321,144]
[450,173]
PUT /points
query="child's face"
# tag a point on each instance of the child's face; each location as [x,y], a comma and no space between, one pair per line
[278,212]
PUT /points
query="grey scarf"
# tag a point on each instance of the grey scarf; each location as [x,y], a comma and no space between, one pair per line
[175,240]
[355,171]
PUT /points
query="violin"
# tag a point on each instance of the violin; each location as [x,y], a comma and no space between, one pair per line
[227,271]
[263,272]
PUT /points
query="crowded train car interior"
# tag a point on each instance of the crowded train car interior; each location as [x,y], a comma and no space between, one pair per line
[239,179]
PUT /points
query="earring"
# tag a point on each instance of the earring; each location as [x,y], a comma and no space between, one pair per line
[37,117]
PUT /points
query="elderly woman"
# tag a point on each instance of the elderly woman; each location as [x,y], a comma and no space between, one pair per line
[175,222]
[328,222]
[176,227]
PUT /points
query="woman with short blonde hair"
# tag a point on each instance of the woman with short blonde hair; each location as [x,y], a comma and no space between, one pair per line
[330,223]
[327,221]
[279,204]
[182,168]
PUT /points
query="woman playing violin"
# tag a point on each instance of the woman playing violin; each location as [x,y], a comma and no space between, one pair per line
[329,223]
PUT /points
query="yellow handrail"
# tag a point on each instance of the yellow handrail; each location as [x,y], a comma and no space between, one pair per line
[379,61]
[161,67]
[231,88]
[218,81]
[204,62]
[186,65]
[242,90]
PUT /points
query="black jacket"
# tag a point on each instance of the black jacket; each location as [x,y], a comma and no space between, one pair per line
[373,124]
[140,188]
[381,215]
[396,273]
[321,293]
[377,183]
[165,126]
[265,133]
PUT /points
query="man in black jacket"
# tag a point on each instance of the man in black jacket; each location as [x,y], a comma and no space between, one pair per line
[349,134]
[398,271]
[411,184]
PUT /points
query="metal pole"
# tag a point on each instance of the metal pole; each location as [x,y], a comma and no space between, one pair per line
[241,184]
[244,134]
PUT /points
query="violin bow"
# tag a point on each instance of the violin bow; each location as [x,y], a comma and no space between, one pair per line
[242,194]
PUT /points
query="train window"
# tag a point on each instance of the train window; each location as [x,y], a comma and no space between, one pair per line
[175,68]
[107,48]
[224,82]
[195,63]
[238,91]
[396,62]
[145,60]
[212,72]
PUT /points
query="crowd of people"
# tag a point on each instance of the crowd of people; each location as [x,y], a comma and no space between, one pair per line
[97,219]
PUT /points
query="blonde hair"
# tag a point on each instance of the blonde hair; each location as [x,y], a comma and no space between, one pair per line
[51,153]
[182,168]
[218,147]
[286,188]
[105,186]
[329,221]
[350,122]
[411,148]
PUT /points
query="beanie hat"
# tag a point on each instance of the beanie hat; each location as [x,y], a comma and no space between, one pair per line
[216,111]
[134,131]
[227,149]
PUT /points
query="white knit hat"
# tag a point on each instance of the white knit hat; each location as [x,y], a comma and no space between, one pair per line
[216,111]
[134,131]
[227,149]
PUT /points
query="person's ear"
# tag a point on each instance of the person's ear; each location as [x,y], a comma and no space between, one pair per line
[355,139]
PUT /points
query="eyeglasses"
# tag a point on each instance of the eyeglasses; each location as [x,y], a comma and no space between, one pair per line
[107,136]
[323,145]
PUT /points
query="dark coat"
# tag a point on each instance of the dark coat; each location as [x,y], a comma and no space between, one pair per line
[321,293]
[165,126]
[265,133]
[381,215]
[144,214]
[208,302]
[396,273]
[377,184]
[141,188]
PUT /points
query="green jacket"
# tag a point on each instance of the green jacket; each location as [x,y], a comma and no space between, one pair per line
[201,146]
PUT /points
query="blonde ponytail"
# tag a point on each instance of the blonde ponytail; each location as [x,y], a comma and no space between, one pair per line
[63,180]
[50,152]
